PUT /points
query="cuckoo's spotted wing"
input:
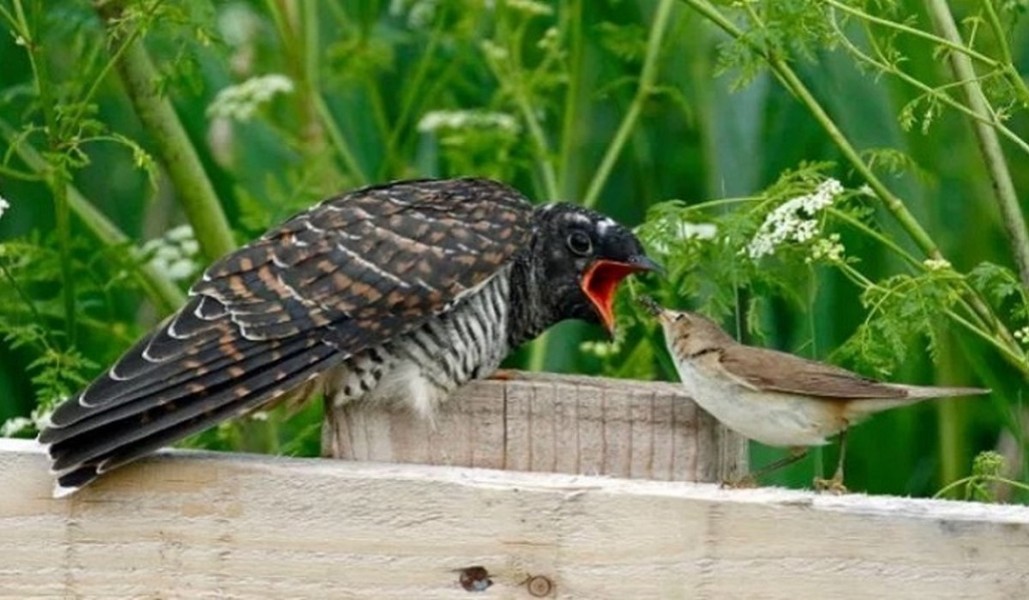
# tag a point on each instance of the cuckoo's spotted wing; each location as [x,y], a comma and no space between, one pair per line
[346,275]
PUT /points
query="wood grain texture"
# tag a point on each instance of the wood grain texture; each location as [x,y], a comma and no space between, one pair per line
[200,525]
[550,424]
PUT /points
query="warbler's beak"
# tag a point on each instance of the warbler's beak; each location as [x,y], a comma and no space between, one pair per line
[663,314]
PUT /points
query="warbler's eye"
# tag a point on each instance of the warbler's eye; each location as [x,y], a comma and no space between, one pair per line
[579,242]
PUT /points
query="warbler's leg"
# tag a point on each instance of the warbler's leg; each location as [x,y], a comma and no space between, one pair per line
[751,480]
[835,485]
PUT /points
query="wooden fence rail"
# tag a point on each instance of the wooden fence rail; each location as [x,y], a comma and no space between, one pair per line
[203,525]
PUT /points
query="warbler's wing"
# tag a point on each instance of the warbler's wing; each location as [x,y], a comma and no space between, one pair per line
[778,371]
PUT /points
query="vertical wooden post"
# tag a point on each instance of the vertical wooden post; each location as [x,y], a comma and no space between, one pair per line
[550,424]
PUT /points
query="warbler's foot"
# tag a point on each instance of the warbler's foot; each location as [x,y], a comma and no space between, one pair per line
[831,486]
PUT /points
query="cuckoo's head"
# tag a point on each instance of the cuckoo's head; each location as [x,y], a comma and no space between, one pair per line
[584,256]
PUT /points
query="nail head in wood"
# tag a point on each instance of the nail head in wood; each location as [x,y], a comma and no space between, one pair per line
[475,579]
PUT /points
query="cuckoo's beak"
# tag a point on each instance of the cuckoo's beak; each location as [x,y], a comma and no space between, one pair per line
[600,282]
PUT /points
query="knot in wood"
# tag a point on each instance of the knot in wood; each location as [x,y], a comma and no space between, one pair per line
[539,586]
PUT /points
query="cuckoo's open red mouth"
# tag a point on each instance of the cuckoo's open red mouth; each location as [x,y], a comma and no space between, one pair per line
[600,282]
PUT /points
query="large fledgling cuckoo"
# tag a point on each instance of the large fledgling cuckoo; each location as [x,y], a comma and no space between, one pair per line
[402,291]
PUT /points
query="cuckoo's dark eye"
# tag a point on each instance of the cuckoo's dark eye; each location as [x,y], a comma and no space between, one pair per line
[579,242]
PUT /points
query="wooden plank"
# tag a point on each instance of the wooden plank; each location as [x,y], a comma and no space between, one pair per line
[200,525]
[550,424]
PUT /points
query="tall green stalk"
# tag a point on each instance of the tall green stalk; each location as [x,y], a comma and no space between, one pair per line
[792,82]
[162,291]
[155,111]
[936,93]
[413,93]
[789,78]
[566,164]
[648,76]
[989,144]
[949,418]
[55,173]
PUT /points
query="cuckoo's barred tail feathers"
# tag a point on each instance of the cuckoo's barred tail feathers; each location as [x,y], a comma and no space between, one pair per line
[81,458]
[144,403]
[164,392]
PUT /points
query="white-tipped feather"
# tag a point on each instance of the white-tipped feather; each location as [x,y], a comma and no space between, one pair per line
[61,491]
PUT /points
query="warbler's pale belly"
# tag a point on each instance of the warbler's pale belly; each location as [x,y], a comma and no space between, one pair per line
[772,418]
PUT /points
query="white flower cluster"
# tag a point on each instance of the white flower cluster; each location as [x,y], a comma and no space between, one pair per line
[605,348]
[550,39]
[420,13]
[701,231]
[1022,335]
[685,230]
[601,349]
[238,24]
[467,119]
[15,425]
[494,51]
[936,264]
[829,249]
[4,206]
[174,253]
[531,7]
[793,220]
[241,101]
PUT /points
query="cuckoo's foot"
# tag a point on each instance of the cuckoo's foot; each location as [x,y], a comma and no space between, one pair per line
[503,375]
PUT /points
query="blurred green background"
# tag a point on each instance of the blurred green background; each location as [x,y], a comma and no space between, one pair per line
[334,94]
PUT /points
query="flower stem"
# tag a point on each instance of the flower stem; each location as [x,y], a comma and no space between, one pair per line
[971,479]
[412,93]
[648,75]
[1007,62]
[989,144]
[339,141]
[892,203]
[539,139]
[162,291]
[882,239]
[155,111]
[793,83]
[55,172]
[573,103]
[515,81]
[914,31]
[937,93]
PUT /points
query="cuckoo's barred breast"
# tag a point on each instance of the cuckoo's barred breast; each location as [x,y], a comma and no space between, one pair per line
[399,291]
[423,366]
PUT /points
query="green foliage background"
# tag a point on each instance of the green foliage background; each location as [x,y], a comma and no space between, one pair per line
[624,105]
